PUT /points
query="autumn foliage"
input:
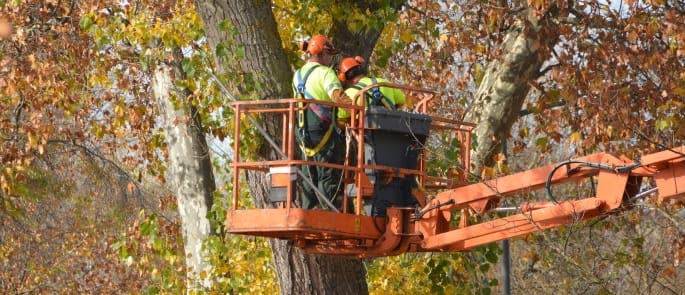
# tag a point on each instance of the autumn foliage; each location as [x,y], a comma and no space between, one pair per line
[84,205]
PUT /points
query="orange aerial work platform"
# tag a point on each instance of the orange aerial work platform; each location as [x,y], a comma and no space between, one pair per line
[451,214]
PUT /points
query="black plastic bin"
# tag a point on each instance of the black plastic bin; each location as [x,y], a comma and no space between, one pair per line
[397,136]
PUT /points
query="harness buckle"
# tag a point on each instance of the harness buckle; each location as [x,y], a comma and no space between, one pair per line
[300,89]
[377,96]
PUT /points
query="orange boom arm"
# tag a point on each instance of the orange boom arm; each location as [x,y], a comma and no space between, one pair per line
[445,220]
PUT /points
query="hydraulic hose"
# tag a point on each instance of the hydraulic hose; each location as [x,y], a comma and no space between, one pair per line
[619,169]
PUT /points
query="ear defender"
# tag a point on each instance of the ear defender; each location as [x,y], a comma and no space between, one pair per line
[349,67]
[303,45]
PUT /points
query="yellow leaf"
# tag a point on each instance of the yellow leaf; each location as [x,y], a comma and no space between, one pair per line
[118,110]
[502,168]
[488,172]
[499,158]
[679,91]
[575,137]
[406,36]
[33,140]
[479,73]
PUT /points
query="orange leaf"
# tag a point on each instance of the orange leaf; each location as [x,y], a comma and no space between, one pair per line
[5,29]
[668,272]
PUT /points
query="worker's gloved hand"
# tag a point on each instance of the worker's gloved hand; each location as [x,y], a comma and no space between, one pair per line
[340,97]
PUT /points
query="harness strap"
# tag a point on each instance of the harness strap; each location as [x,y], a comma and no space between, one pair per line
[300,87]
[376,97]
[320,111]
[380,97]
[311,152]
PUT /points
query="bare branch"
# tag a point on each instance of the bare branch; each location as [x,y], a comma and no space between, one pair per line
[17,116]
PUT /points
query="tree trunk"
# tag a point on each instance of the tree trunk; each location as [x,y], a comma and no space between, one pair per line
[351,43]
[359,42]
[298,272]
[190,171]
[505,85]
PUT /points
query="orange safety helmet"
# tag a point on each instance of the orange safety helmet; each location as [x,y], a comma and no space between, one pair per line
[348,64]
[317,44]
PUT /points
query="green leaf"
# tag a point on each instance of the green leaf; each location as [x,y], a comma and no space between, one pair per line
[145,228]
[486,291]
[479,73]
[542,143]
[118,244]
[86,22]
[663,124]
[102,41]
[491,256]
[221,50]
[123,253]
[188,68]
[225,25]
[144,64]
[157,243]
[553,94]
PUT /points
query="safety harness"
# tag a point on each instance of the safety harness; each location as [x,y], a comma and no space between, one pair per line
[324,114]
[374,96]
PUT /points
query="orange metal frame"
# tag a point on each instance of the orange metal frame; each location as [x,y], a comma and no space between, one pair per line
[444,222]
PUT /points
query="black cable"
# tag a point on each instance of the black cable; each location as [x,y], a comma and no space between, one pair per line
[374,215]
[619,169]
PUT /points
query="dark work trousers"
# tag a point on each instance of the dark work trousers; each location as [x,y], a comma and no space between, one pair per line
[327,180]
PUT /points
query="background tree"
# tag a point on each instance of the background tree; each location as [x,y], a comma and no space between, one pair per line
[155,34]
[190,170]
[66,194]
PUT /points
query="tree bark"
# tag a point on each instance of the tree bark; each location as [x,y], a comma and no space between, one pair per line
[190,171]
[352,43]
[505,84]
[298,272]
[359,42]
